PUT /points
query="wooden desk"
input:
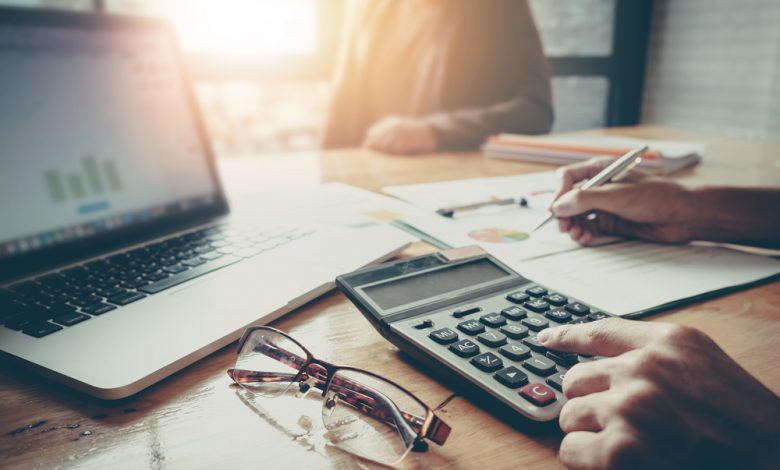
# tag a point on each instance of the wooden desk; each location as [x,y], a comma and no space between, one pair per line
[196,419]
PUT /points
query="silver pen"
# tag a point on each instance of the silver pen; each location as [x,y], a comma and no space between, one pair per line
[614,171]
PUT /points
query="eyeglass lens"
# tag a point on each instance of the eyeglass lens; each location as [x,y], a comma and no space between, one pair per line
[362,414]
[268,363]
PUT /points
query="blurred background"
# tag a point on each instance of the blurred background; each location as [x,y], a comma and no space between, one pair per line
[262,67]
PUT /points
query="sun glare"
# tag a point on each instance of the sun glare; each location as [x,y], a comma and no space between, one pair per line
[243,28]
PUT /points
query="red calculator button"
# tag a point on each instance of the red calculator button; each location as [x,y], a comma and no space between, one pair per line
[538,394]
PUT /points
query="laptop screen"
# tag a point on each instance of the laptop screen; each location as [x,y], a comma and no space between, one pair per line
[97,135]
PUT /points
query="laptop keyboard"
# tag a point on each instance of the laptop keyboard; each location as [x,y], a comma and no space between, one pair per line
[50,303]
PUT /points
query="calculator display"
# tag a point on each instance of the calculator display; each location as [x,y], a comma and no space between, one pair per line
[408,290]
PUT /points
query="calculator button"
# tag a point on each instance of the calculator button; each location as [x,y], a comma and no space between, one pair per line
[517,297]
[535,323]
[597,316]
[467,310]
[514,331]
[536,291]
[443,336]
[556,299]
[487,362]
[559,315]
[577,308]
[514,313]
[537,305]
[464,348]
[424,324]
[533,343]
[556,380]
[538,394]
[512,377]
[493,339]
[563,358]
[540,365]
[493,320]
[471,327]
[577,321]
[516,352]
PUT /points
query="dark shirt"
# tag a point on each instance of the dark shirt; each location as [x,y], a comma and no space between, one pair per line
[470,68]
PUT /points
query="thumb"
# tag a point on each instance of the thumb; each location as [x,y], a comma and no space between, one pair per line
[608,337]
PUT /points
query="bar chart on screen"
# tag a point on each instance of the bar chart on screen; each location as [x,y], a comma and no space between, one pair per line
[83,153]
[91,182]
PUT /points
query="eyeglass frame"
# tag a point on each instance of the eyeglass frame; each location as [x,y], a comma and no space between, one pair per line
[432,427]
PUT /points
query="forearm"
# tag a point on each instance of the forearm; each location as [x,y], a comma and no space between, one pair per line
[468,128]
[749,216]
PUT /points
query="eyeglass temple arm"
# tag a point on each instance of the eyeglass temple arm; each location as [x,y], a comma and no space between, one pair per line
[369,402]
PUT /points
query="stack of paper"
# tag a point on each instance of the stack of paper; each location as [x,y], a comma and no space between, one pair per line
[663,157]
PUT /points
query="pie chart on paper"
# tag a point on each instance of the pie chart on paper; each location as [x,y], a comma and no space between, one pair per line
[497,235]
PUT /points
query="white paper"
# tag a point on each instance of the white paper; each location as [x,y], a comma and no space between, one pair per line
[619,278]
[334,204]
[630,277]
[503,231]
[538,188]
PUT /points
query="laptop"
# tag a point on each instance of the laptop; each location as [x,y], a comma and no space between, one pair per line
[119,261]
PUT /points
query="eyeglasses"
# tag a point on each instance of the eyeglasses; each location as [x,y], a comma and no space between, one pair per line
[363,413]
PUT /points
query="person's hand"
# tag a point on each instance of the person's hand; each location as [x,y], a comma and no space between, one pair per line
[401,136]
[665,396]
[637,207]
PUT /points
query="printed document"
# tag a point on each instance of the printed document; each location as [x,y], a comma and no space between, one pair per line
[620,277]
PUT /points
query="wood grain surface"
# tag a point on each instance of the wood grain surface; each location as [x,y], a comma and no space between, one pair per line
[197,419]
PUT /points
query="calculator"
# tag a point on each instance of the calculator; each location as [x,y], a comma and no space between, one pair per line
[472,319]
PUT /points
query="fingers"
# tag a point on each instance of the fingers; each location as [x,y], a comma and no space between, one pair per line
[587,378]
[608,337]
[583,414]
[379,136]
[564,224]
[610,198]
[569,175]
[401,136]
[580,450]
[378,141]
[589,229]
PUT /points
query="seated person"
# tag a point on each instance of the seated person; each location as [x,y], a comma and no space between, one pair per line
[417,76]
[664,396]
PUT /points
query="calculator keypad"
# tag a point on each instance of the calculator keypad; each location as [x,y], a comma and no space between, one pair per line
[559,315]
[464,348]
[517,297]
[493,339]
[444,336]
[493,320]
[499,350]
[515,352]
[538,394]
[511,377]
[471,327]
[537,305]
[515,331]
[514,313]
[487,362]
